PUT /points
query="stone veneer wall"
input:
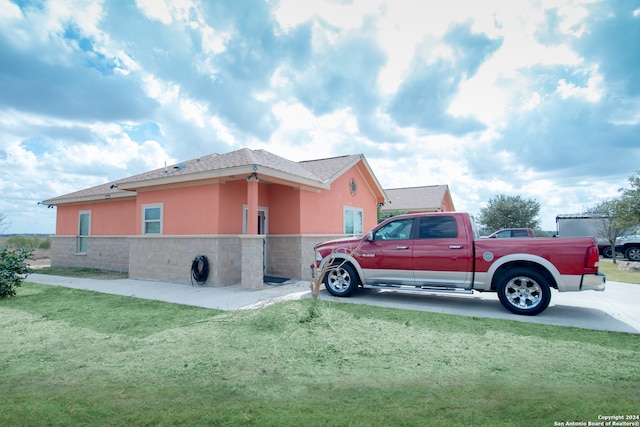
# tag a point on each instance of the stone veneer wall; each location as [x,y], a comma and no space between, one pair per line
[103,252]
[169,258]
[232,259]
[291,255]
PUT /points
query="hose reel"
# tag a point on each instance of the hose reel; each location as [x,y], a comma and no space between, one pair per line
[199,269]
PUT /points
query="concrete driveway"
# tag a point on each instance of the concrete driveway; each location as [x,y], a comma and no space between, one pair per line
[616,309]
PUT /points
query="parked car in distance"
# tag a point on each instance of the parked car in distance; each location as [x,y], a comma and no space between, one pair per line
[629,246]
[510,232]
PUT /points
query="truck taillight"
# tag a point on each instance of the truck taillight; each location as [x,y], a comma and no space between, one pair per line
[593,257]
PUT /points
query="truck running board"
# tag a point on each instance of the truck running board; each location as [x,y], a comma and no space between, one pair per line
[421,288]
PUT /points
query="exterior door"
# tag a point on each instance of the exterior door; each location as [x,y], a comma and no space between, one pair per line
[262,229]
[262,220]
[387,259]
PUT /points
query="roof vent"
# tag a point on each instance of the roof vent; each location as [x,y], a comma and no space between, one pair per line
[179,167]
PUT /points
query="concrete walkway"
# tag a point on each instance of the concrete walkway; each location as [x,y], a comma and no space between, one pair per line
[221,298]
[616,309]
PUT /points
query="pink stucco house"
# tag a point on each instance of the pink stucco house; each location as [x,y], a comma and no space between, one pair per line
[250,212]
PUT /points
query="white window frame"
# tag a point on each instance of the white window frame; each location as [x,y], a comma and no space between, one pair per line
[83,238]
[351,210]
[145,221]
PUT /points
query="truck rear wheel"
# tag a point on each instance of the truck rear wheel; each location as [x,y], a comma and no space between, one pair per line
[341,280]
[524,291]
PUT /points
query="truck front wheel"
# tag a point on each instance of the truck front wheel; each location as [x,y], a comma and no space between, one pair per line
[632,253]
[524,291]
[341,280]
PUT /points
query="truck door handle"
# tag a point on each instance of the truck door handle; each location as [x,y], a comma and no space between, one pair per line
[402,247]
[455,246]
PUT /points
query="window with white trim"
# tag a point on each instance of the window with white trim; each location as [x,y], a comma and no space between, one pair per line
[84,229]
[152,219]
[352,221]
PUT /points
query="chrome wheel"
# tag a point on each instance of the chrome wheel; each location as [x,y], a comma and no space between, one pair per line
[524,291]
[341,280]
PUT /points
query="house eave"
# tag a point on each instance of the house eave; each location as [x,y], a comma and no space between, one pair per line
[59,201]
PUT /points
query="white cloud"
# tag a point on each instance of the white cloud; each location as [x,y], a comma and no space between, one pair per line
[212,41]
[9,10]
[163,92]
[156,9]
[193,111]
[592,92]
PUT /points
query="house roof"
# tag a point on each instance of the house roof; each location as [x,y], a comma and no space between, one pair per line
[417,199]
[239,164]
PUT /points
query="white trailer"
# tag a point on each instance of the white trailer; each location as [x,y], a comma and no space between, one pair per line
[584,225]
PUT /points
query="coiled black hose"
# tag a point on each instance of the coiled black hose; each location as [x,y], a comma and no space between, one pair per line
[199,270]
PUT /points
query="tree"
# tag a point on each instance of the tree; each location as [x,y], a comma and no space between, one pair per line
[510,212]
[610,226]
[629,203]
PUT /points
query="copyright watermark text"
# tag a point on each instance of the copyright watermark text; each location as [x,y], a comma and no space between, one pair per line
[604,421]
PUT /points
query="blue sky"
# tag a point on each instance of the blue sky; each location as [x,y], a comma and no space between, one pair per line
[539,99]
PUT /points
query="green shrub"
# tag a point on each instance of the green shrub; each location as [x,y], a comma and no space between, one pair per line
[13,270]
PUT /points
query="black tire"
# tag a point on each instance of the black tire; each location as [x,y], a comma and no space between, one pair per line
[524,291]
[341,279]
[632,253]
[607,252]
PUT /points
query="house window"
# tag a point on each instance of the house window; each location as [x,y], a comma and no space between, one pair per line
[84,228]
[152,219]
[353,221]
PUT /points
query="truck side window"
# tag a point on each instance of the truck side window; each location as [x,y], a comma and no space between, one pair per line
[438,227]
[395,230]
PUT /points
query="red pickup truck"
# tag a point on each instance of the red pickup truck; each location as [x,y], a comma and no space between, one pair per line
[442,252]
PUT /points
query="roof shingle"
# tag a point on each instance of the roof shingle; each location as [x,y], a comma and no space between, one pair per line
[319,171]
[412,199]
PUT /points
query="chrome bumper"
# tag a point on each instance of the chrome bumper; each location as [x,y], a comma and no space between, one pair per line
[593,282]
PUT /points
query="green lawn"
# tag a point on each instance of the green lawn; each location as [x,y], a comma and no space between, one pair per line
[90,273]
[70,357]
[614,274]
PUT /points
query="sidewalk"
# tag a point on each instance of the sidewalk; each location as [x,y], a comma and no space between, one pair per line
[221,298]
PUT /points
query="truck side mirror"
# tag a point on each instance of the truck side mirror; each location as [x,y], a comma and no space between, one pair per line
[370,236]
